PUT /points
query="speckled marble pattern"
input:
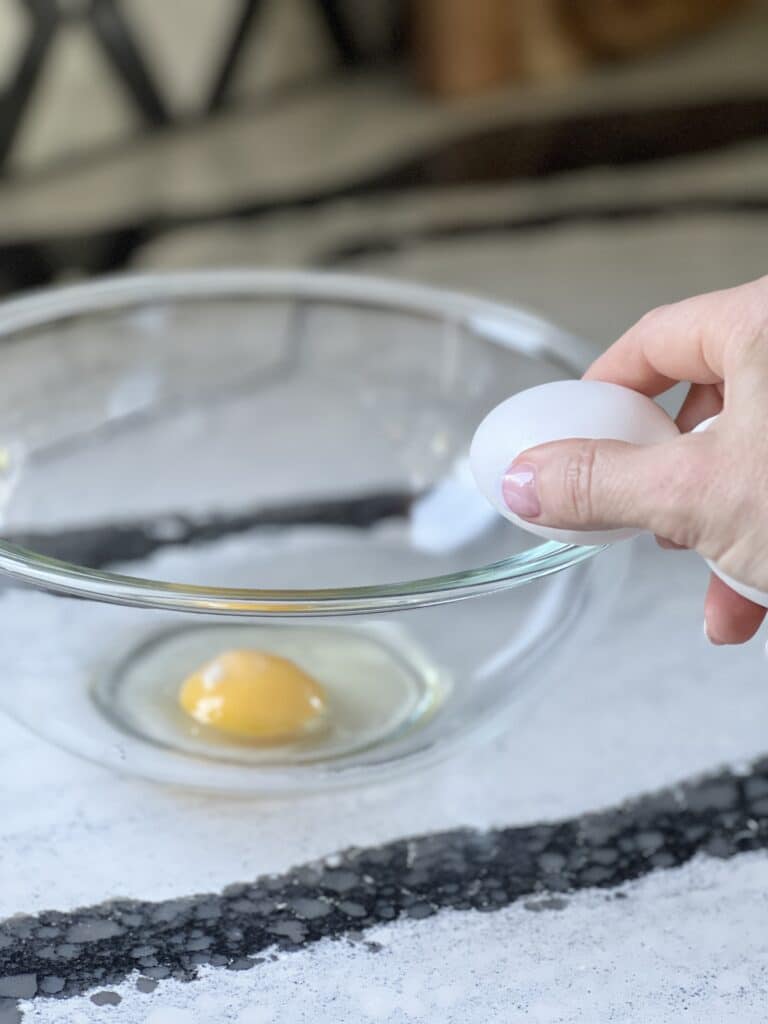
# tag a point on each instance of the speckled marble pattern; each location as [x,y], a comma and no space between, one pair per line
[65,954]
[682,944]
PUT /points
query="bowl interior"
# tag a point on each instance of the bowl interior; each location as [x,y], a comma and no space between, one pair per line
[327,423]
[275,447]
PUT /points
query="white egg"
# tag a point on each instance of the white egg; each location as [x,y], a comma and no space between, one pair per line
[554,412]
[751,593]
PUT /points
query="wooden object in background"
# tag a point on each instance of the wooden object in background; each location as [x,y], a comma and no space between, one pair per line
[464,47]
[617,28]
[461,47]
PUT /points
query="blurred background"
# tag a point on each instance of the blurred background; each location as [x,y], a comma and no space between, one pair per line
[589,158]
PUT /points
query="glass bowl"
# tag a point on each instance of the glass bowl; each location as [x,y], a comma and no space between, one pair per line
[198,462]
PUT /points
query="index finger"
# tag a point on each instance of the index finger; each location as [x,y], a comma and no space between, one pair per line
[686,341]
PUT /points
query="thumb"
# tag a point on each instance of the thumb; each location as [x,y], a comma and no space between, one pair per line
[602,485]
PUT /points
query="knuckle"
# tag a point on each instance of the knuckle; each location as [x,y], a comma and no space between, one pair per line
[578,489]
[652,321]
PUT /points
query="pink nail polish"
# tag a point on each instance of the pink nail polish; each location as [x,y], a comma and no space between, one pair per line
[519,490]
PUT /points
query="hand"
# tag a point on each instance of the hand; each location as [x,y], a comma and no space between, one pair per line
[706,491]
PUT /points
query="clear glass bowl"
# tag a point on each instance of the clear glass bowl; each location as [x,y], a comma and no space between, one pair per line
[198,461]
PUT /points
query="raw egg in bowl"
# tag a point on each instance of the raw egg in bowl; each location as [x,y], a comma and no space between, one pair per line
[240,542]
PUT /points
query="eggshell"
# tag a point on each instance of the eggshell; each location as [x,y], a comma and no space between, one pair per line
[751,593]
[554,412]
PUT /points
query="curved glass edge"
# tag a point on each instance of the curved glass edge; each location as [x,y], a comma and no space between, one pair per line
[62,578]
[498,322]
[492,319]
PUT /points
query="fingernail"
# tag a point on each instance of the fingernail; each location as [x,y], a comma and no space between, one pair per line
[519,490]
[708,635]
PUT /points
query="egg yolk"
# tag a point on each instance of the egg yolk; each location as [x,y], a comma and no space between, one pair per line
[253,695]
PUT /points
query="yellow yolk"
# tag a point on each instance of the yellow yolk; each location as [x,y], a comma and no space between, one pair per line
[253,695]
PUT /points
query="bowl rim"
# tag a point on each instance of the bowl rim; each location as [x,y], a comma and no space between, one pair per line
[508,326]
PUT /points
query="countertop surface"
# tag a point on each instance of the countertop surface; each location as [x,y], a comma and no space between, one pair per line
[515,881]
[603,862]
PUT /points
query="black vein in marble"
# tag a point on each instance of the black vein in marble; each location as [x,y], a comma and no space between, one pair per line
[55,954]
[99,545]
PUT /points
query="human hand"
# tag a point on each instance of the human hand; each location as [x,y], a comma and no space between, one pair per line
[707,491]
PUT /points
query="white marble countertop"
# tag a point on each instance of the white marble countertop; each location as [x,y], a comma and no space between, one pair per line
[646,704]
[643,705]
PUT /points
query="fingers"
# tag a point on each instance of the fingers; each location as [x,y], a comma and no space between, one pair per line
[689,492]
[730,618]
[596,485]
[669,489]
[688,340]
